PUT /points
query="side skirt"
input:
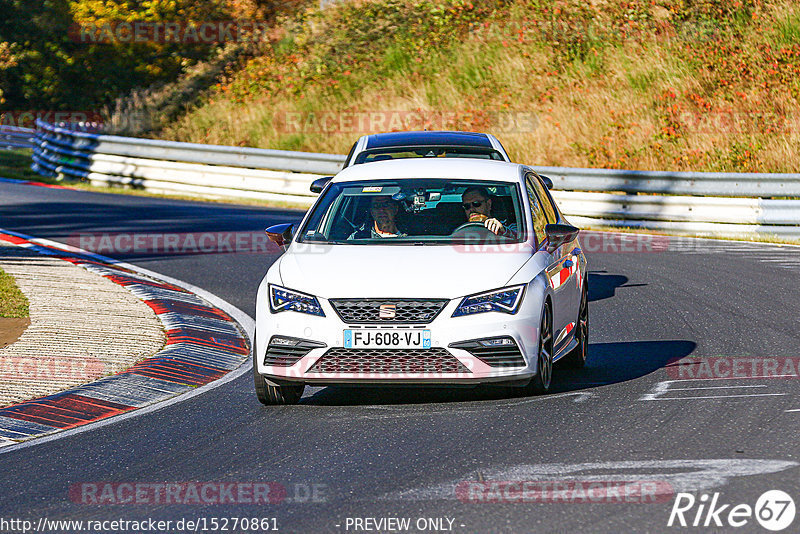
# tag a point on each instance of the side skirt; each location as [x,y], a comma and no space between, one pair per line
[566,347]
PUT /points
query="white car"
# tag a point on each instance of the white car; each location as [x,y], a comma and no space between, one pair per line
[422,271]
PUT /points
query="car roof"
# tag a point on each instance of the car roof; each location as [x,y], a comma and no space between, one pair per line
[384,140]
[466,169]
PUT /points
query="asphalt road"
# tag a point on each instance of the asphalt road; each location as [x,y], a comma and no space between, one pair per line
[408,453]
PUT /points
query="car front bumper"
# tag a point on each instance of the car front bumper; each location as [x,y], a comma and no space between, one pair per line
[330,363]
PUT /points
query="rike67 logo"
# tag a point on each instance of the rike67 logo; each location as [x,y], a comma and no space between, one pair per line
[774,510]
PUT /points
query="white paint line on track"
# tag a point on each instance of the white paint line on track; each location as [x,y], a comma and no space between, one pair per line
[238,315]
[792,410]
[660,390]
[718,396]
[718,387]
[717,378]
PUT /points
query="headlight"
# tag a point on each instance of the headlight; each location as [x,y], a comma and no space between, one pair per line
[506,300]
[282,299]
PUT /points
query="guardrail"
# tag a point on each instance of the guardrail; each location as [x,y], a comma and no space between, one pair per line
[700,215]
[718,184]
[730,204]
[172,167]
[13,137]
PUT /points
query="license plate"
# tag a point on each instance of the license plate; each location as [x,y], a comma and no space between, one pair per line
[394,339]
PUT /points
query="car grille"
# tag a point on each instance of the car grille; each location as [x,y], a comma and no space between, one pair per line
[341,360]
[285,355]
[500,356]
[406,310]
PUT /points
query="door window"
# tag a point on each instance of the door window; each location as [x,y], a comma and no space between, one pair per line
[537,213]
[547,206]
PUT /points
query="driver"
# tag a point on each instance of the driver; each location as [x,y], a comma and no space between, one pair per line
[477,205]
[384,212]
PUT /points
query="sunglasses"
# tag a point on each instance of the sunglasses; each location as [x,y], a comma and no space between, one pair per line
[473,204]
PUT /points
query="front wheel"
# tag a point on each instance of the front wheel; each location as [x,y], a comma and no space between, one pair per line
[540,383]
[270,395]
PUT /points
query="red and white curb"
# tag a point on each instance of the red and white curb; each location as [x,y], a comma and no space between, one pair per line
[38,184]
[204,344]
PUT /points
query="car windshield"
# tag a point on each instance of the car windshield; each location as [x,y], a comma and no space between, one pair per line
[416,211]
[380,154]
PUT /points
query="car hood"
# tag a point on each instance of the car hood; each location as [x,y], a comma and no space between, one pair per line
[373,271]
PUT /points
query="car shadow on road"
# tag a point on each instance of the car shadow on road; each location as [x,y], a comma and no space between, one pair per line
[610,363]
[607,363]
[603,285]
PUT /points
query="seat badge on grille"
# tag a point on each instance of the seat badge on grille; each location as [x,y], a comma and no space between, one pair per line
[387,311]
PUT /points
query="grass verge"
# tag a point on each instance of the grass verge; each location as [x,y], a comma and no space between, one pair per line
[13,302]
[16,164]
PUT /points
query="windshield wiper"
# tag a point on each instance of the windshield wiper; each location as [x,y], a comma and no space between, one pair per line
[318,242]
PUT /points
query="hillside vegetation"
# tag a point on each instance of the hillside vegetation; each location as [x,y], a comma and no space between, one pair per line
[76,56]
[708,85]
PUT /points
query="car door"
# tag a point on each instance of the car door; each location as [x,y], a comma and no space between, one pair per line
[561,264]
[572,249]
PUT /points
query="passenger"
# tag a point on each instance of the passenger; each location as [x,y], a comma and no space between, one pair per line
[477,205]
[383,211]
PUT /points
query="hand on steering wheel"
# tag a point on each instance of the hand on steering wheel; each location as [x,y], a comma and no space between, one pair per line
[495,226]
[490,225]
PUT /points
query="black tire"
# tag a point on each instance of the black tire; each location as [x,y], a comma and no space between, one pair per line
[540,384]
[576,358]
[270,395]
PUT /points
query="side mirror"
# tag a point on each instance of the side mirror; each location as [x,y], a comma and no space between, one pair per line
[547,181]
[319,184]
[558,234]
[281,234]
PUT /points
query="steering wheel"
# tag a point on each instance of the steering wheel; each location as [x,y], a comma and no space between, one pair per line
[469,224]
[472,228]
